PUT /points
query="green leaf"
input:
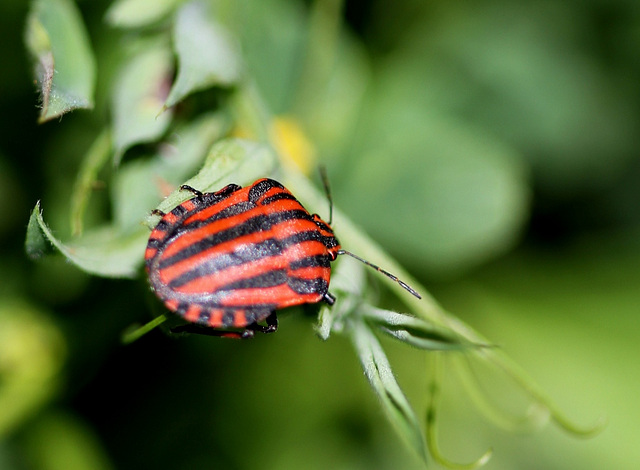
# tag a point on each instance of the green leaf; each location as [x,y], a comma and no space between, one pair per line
[139,94]
[348,284]
[378,371]
[94,160]
[36,244]
[139,13]
[229,161]
[571,119]
[140,184]
[274,64]
[332,82]
[103,251]
[206,53]
[64,63]
[413,330]
[446,198]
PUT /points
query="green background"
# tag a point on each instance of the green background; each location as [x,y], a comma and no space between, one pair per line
[491,147]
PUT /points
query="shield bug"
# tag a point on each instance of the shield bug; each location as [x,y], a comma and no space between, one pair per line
[228,260]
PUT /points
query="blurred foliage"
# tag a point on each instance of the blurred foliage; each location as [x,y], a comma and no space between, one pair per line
[64,65]
[491,147]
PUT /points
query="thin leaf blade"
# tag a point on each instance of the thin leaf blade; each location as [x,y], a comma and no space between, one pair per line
[36,244]
[378,371]
[415,331]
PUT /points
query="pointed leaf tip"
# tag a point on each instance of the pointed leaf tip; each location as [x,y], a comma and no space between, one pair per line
[36,245]
[64,65]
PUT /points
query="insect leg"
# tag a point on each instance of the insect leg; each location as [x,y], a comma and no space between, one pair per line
[272,322]
[208,331]
[272,325]
[186,187]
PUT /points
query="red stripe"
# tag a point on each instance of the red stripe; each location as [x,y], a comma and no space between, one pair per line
[279,231]
[194,236]
[215,320]
[291,254]
[189,205]
[216,226]
[282,296]
[312,273]
[189,295]
[271,192]
[282,205]
[216,280]
[157,234]
[209,211]
[172,304]
[304,250]
[192,313]
[240,319]
[149,253]
[170,218]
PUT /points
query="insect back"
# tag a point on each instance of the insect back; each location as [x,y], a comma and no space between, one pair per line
[228,260]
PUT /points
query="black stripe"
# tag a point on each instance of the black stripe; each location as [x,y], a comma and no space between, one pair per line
[206,199]
[272,278]
[155,243]
[179,210]
[278,197]
[162,225]
[323,261]
[246,253]
[251,312]
[308,286]
[203,318]
[228,317]
[261,222]
[259,189]
[306,236]
[220,195]
[323,225]
[253,252]
[182,308]
[230,211]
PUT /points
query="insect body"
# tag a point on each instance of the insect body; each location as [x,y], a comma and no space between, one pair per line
[228,260]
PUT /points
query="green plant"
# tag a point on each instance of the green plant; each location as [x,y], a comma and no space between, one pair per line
[211,125]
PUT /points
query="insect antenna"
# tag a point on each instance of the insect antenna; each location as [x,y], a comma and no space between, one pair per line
[327,190]
[403,284]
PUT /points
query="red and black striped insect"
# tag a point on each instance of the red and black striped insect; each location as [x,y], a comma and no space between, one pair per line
[228,260]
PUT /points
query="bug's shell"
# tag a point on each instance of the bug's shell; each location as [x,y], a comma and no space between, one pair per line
[229,259]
